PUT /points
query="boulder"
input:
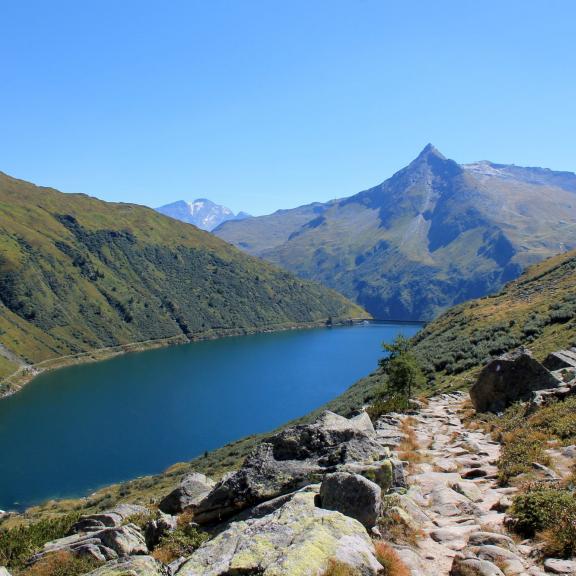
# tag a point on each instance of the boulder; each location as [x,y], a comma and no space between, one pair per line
[462,566]
[193,488]
[560,359]
[298,538]
[511,378]
[353,495]
[468,489]
[291,459]
[134,566]
[105,544]
[4,571]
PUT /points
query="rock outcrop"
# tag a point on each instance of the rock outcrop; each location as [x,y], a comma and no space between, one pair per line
[511,378]
[191,491]
[294,458]
[297,539]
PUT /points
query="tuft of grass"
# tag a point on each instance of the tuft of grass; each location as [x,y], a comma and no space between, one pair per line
[395,403]
[391,563]
[338,568]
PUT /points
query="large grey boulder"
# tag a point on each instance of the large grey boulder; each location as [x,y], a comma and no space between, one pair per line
[193,488]
[134,566]
[298,538]
[353,495]
[291,459]
[511,378]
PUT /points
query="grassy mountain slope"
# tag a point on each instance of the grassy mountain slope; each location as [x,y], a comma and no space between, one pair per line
[78,274]
[433,235]
[538,310]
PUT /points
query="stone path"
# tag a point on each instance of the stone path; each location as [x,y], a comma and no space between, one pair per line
[455,488]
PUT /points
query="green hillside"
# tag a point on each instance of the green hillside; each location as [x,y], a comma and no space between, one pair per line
[538,310]
[433,235]
[78,274]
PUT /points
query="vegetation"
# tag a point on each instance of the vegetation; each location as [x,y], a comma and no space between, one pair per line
[401,367]
[337,568]
[391,562]
[181,542]
[60,564]
[78,274]
[453,348]
[550,513]
[21,542]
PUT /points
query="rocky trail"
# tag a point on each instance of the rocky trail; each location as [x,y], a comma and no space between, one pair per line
[457,503]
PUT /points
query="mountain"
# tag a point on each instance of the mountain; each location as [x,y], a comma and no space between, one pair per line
[202,212]
[79,274]
[434,234]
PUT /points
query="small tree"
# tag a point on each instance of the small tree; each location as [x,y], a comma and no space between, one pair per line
[401,366]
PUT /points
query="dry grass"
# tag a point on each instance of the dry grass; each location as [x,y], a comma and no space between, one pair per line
[337,568]
[390,560]
[409,449]
[60,564]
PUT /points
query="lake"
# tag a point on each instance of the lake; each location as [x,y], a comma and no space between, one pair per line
[73,430]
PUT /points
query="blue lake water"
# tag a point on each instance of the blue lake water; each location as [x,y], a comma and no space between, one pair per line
[75,429]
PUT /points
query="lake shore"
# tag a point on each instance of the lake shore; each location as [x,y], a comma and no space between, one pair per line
[25,374]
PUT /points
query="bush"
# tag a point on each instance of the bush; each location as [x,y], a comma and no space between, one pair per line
[18,544]
[550,512]
[520,448]
[181,542]
[337,568]
[395,403]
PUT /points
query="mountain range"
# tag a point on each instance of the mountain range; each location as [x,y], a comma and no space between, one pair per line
[434,234]
[78,274]
[203,213]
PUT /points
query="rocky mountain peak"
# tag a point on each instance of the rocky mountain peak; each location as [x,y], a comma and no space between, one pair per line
[201,212]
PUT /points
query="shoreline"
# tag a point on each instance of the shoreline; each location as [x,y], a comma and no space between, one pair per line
[16,381]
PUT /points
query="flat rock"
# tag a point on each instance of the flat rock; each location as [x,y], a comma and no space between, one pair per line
[134,566]
[557,566]
[468,489]
[493,538]
[298,538]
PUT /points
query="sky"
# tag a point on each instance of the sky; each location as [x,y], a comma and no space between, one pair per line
[268,104]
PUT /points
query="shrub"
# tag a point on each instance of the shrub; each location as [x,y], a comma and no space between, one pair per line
[520,448]
[181,542]
[61,564]
[18,544]
[391,562]
[538,508]
[395,403]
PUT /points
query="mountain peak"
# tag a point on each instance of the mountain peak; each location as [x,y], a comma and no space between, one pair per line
[430,150]
[201,212]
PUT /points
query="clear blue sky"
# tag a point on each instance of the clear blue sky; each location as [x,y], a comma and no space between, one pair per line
[267,104]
